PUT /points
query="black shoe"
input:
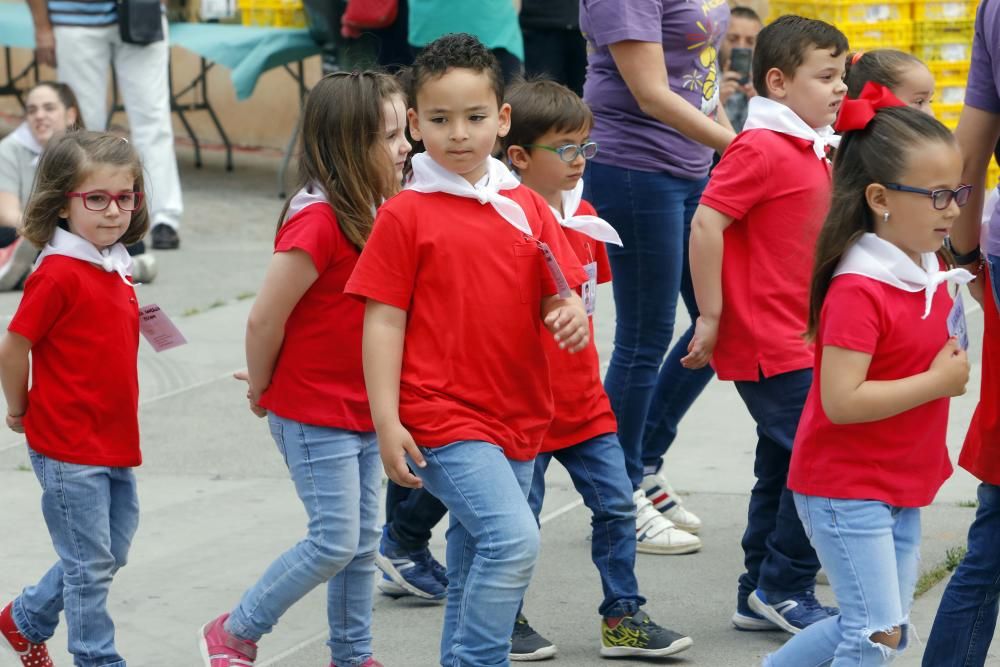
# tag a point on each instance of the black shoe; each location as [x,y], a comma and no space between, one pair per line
[639,636]
[526,645]
[165,237]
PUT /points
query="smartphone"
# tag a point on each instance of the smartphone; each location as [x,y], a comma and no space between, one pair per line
[739,61]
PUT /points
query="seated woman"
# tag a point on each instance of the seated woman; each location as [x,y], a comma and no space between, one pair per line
[51,110]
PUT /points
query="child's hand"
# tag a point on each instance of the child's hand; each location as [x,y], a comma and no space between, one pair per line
[254,399]
[394,444]
[951,367]
[706,334]
[570,326]
[15,424]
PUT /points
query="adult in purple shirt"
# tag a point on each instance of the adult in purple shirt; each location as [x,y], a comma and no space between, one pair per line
[652,82]
[967,616]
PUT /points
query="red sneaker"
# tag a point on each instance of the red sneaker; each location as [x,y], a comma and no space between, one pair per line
[221,649]
[31,655]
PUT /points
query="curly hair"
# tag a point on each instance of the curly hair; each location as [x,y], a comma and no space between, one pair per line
[457,50]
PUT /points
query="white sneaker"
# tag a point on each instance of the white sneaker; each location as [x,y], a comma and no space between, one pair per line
[144,268]
[656,534]
[665,499]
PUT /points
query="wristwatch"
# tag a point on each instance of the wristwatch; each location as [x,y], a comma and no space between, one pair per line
[970,257]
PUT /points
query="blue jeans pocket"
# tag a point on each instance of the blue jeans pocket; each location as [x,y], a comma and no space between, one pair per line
[994,264]
[278,433]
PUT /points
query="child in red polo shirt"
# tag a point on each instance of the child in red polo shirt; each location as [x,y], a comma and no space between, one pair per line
[304,370]
[870,448]
[765,204]
[548,146]
[79,320]
[465,266]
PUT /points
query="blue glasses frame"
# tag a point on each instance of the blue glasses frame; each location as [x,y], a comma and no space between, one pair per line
[941,199]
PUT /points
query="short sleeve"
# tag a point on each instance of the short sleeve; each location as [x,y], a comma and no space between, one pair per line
[552,235]
[739,181]
[852,314]
[386,271]
[41,305]
[10,179]
[313,230]
[613,21]
[981,89]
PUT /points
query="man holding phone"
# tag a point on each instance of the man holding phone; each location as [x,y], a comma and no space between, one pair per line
[737,54]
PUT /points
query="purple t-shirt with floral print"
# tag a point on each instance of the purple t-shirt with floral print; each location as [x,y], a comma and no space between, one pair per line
[690,32]
[983,88]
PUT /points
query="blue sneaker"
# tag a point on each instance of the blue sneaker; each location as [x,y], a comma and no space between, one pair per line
[437,569]
[793,614]
[747,620]
[410,571]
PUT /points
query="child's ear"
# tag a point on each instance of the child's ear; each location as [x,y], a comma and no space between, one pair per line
[504,120]
[875,196]
[776,83]
[518,157]
[414,121]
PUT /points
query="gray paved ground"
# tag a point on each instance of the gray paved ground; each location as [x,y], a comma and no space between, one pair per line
[217,506]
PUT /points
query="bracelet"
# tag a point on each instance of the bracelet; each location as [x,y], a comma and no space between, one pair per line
[963,259]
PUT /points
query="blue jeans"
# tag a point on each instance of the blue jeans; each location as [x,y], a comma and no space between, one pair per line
[967,616]
[652,213]
[597,468]
[871,552]
[337,476]
[492,547]
[92,513]
[411,515]
[994,270]
[778,557]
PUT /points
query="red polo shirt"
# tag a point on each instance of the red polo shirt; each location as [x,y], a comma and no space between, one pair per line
[582,408]
[318,378]
[83,324]
[473,367]
[981,452]
[901,460]
[777,191]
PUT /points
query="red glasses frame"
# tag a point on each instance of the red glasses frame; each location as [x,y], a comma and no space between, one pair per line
[116,198]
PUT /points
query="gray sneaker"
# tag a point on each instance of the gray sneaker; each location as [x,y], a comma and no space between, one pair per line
[526,645]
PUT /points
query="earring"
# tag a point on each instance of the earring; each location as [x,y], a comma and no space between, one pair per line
[885,217]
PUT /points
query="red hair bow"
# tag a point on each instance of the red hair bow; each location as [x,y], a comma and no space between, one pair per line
[856,114]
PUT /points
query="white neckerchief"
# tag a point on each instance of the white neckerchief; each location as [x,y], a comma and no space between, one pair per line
[429,176]
[115,258]
[309,195]
[22,135]
[876,258]
[594,227]
[766,114]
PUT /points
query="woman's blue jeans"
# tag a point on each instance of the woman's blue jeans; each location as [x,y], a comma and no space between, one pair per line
[652,212]
[337,475]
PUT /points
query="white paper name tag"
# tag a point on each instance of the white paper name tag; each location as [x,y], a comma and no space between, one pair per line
[956,323]
[156,327]
[588,291]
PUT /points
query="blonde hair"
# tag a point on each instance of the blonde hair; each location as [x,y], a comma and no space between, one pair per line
[65,163]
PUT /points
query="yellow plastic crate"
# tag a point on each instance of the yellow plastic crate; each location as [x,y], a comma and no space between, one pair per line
[883,35]
[272,13]
[957,53]
[950,91]
[992,174]
[847,11]
[938,10]
[943,32]
[947,113]
[945,69]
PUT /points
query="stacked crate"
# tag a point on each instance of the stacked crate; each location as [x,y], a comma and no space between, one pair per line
[272,13]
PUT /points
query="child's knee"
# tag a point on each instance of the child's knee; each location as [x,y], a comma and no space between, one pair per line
[889,640]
